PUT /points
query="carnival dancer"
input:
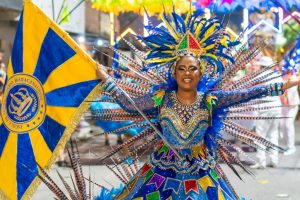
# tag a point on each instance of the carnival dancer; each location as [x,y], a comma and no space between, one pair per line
[187,102]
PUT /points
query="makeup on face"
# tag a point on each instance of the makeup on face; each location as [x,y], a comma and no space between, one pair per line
[187,73]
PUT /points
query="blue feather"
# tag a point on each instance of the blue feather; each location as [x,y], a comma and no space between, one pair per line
[194,17]
[227,57]
[155,54]
[109,195]
[179,23]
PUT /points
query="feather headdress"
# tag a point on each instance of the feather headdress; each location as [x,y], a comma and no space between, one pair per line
[195,35]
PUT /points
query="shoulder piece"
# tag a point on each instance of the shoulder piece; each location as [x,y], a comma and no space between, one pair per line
[158,97]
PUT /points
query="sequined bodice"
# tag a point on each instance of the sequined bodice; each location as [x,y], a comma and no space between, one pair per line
[183,125]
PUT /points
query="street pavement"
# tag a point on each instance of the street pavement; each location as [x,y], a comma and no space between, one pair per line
[281,183]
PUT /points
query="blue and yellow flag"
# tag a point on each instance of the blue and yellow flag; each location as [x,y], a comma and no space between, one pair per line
[49,79]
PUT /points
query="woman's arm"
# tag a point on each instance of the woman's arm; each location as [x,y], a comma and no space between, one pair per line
[145,103]
[230,98]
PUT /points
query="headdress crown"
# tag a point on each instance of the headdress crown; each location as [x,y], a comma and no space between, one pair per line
[189,45]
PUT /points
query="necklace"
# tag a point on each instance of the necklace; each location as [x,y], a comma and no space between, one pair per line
[180,101]
[185,111]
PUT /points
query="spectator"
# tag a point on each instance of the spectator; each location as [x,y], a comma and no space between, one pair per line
[268,129]
[2,73]
[287,127]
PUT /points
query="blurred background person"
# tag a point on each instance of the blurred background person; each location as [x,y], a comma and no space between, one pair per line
[269,129]
[248,124]
[2,64]
[2,73]
[290,101]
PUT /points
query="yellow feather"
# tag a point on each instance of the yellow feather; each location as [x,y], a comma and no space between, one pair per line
[170,46]
[155,45]
[161,60]
[187,17]
[209,47]
[197,32]
[168,51]
[224,42]
[160,93]
[212,56]
[208,33]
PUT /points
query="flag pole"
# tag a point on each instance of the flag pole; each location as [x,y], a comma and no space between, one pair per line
[71,11]
[53,11]
[61,8]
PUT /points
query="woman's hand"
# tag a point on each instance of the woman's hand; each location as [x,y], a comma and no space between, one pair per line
[101,72]
[293,81]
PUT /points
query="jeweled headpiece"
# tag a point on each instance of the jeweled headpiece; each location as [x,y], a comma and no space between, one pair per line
[195,35]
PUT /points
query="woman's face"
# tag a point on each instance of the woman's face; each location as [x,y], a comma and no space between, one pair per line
[187,73]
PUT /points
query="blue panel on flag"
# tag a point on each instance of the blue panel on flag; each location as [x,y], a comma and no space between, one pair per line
[4,133]
[70,96]
[54,52]
[25,156]
[52,132]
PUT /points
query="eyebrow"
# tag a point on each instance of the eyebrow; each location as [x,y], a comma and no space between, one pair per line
[189,66]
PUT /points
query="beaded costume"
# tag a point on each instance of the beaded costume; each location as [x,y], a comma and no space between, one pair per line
[184,163]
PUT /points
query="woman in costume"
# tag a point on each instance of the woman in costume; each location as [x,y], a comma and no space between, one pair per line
[186,101]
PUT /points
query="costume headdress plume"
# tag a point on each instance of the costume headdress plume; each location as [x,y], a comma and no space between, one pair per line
[195,35]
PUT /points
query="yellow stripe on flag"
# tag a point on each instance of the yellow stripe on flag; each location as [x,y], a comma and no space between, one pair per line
[10,70]
[41,150]
[33,26]
[62,115]
[80,73]
[8,162]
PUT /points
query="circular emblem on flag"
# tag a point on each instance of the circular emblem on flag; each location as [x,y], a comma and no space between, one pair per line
[23,104]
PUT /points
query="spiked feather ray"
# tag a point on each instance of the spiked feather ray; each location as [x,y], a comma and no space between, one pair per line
[242,138]
[140,54]
[251,109]
[252,135]
[51,184]
[250,103]
[233,158]
[77,192]
[58,193]
[227,181]
[135,151]
[67,186]
[236,148]
[124,178]
[228,162]
[120,178]
[77,175]
[145,133]
[74,186]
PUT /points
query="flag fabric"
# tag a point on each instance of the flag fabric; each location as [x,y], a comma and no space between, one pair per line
[49,81]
